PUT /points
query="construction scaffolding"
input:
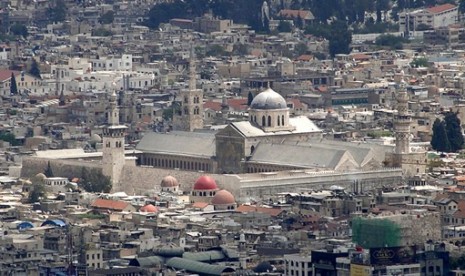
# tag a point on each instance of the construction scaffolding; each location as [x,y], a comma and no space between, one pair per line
[375,232]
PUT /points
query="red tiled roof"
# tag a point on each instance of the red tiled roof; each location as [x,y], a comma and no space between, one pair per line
[441,8]
[234,104]
[360,57]
[212,105]
[6,74]
[296,102]
[249,208]
[238,104]
[109,204]
[460,213]
[199,205]
[322,88]
[305,57]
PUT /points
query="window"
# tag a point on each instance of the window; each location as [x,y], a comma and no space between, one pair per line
[279,122]
[263,121]
[282,120]
[269,121]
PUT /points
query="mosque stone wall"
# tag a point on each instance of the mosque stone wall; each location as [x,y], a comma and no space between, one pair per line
[61,168]
[146,180]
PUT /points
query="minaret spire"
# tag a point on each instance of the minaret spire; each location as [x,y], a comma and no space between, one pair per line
[192,72]
[113,115]
[402,121]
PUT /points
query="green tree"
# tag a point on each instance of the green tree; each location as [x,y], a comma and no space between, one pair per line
[301,49]
[423,27]
[454,131]
[215,51]
[94,181]
[35,70]
[48,170]
[419,62]
[439,140]
[101,32]
[9,137]
[299,22]
[249,98]
[37,191]
[391,41]
[167,114]
[107,18]
[19,29]
[462,6]
[457,262]
[340,38]
[57,12]
[284,27]
[13,85]
[240,49]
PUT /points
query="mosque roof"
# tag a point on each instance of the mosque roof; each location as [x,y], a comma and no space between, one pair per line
[149,208]
[223,197]
[268,99]
[299,156]
[198,144]
[169,181]
[301,123]
[205,182]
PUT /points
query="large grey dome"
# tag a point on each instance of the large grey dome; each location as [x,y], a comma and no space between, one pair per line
[268,99]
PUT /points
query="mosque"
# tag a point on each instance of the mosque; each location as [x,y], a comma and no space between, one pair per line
[270,140]
[268,153]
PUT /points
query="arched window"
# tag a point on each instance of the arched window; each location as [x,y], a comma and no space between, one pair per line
[269,120]
[279,121]
[282,120]
[252,149]
[263,121]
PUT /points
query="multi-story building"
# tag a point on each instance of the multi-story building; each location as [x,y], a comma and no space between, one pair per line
[434,17]
[24,83]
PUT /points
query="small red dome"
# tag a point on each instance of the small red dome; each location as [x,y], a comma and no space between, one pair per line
[205,183]
[169,181]
[149,208]
[223,197]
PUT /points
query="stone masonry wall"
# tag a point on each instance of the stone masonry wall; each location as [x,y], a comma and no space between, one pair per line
[61,168]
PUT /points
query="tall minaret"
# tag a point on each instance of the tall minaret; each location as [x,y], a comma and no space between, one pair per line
[113,145]
[402,122]
[411,162]
[190,114]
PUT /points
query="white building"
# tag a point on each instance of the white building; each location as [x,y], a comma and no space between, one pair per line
[296,264]
[434,17]
[123,63]
[24,83]
[94,258]
[56,184]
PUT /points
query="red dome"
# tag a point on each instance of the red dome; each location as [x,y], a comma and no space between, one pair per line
[149,208]
[223,197]
[205,183]
[169,181]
